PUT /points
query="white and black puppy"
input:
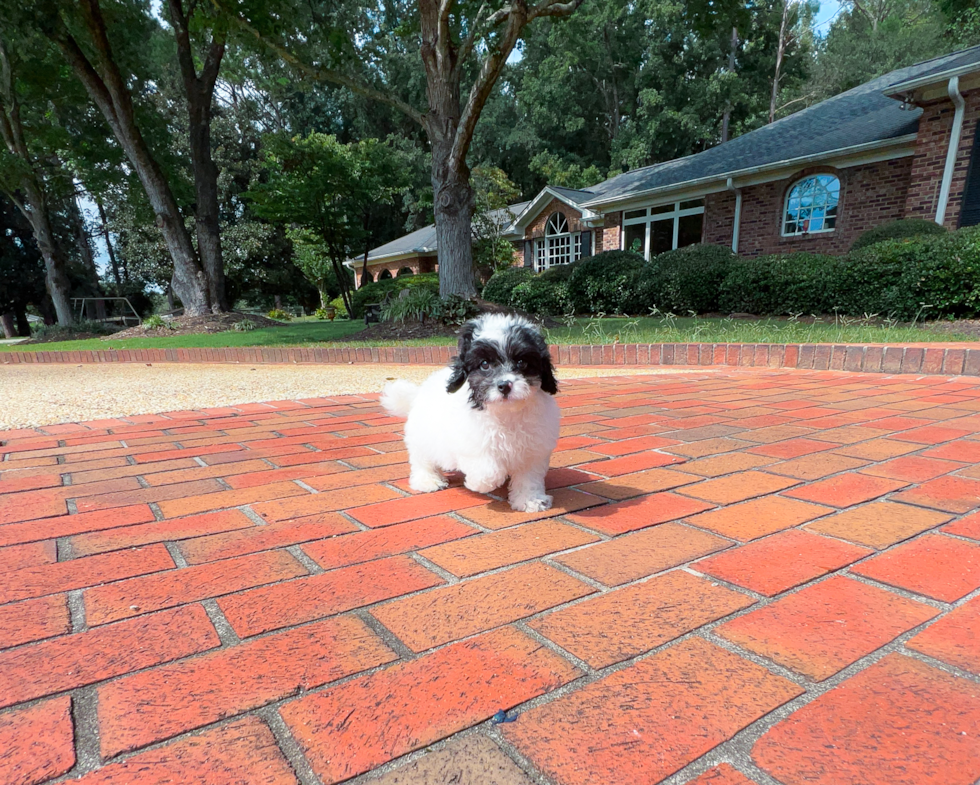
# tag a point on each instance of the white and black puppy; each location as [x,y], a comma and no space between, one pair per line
[490,415]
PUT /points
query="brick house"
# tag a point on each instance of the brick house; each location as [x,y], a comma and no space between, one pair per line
[900,146]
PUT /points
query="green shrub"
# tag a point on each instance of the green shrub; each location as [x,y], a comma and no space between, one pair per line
[543,295]
[379,290]
[280,315]
[244,326]
[688,279]
[501,285]
[338,305]
[559,272]
[606,282]
[417,304]
[154,322]
[929,277]
[81,327]
[455,310]
[896,230]
[781,284]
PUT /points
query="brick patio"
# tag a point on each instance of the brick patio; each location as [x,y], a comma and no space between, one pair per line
[749,576]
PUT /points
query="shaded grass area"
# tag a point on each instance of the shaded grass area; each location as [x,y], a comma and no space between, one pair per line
[595,330]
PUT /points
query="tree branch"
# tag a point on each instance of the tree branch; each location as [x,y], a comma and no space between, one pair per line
[322,74]
[518,15]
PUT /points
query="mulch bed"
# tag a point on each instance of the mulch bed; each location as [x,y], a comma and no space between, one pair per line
[195,325]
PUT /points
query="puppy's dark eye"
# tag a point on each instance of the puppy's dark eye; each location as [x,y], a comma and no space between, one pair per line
[485,365]
[520,365]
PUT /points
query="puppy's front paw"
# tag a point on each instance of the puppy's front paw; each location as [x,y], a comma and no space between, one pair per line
[426,482]
[483,484]
[536,504]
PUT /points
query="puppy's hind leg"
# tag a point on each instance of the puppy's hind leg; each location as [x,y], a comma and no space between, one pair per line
[426,478]
[527,492]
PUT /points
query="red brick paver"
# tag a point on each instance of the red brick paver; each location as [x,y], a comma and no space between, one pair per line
[291,607]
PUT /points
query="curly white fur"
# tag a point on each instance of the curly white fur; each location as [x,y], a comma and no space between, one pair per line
[506,435]
[444,433]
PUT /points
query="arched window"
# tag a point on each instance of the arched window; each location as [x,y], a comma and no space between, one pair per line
[406,271]
[811,205]
[559,246]
[385,275]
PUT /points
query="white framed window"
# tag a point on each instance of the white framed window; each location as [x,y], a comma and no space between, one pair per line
[650,231]
[559,245]
[811,205]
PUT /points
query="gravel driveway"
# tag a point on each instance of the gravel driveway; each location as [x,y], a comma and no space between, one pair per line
[33,395]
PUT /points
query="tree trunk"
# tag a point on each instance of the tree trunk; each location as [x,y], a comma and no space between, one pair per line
[199,92]
[324,297]
[108,242]
[7,322]
[55,267]
[109,92]
[23,325]
[727,117]
[780,51]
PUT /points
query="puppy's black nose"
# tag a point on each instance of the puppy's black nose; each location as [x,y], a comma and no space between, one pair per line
[505,387]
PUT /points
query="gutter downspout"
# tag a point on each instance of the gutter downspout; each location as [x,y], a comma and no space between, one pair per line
[730,185]
[954,144]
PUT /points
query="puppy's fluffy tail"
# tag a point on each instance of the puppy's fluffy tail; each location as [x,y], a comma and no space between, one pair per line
[398,397]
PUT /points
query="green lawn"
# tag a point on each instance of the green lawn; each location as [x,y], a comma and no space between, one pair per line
[583,331]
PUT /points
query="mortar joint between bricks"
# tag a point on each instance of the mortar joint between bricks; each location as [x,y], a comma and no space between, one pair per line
[549,644]
[305,487]
[157,512]
[309,564]
[226,633]
[76,611]
[289,747]
[447,576]
[389,638]
[84,704]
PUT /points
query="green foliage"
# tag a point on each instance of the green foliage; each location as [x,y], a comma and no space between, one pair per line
[326,314]
[928,276]
[155,322]
[500,287]
[606,283]
[416,304]
[244,326]
[454,310]
[799,283]
[81,327]
[543,296]
[338,304]
[921,277]
[280,315]
[379,291]
[689,279]
[894,230]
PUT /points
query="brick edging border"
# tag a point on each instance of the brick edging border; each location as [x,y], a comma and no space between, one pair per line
[947,359]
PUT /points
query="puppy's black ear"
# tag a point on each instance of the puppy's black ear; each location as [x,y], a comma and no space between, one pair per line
[459,364]
[548,381]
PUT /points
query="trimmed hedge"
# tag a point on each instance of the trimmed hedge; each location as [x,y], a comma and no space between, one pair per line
[501,284]
[541,295]
[606,283]
[897,230]
[377,291]
[780,284]
[689,279]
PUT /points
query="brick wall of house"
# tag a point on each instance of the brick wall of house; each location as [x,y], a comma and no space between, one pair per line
[424,264]
[611,229]
[929,162]
[719,217]
[574,217]
[871,194]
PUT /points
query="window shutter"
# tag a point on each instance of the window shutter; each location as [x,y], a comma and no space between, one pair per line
[970,207]
[586,244]
[529,253]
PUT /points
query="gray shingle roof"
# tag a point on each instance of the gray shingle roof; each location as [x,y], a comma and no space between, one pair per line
[424,240]
[860,116]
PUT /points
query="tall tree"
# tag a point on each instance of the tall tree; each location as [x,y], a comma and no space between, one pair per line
[199,95]
[91,56]
[25,184]
[461,45]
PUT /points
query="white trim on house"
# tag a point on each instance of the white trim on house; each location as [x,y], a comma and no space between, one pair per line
[516,228]
[658,214]
[842,158]
[952,149]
